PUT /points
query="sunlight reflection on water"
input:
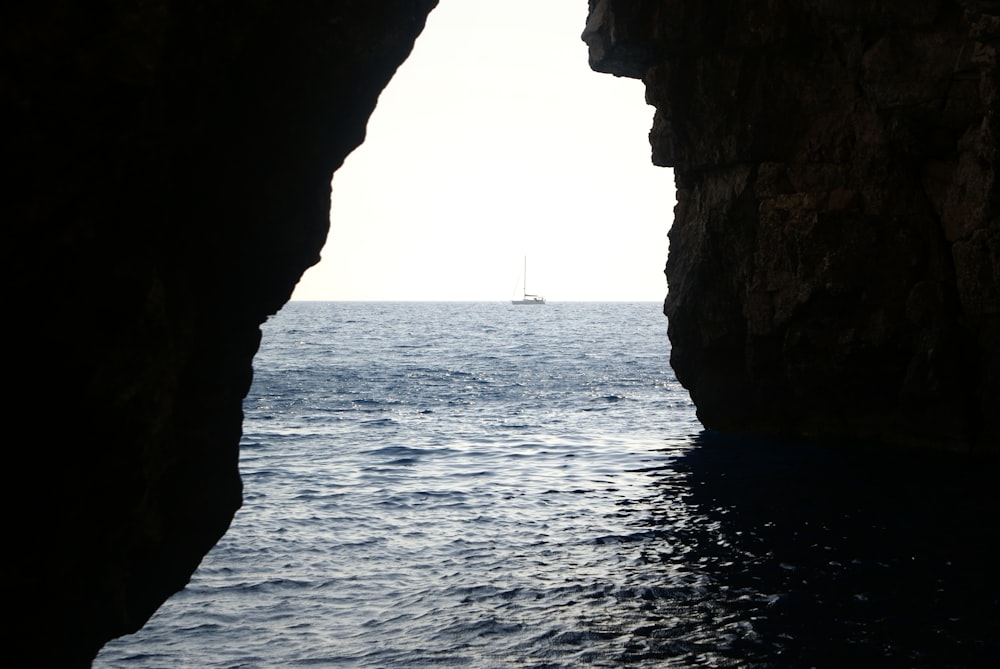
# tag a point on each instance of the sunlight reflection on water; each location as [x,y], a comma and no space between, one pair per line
[511,525]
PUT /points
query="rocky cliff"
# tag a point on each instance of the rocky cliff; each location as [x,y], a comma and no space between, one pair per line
[834,262]
[166,181]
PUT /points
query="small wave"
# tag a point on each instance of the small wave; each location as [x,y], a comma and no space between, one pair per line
[276,584]
[578,638]
[645,535]
[378,422]
[395,450]
[365,402]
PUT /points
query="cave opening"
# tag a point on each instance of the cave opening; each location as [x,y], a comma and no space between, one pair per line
[495,141]
[423,488]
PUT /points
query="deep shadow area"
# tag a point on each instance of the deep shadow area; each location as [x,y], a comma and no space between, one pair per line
[837,555]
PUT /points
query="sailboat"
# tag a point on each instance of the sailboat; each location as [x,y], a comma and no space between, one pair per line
[526,297]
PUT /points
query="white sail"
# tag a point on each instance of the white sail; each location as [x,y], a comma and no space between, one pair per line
[526,297]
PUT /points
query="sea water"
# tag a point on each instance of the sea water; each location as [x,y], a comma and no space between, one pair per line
[489,485]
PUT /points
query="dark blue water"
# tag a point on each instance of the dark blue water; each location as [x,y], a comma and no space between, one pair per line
[484,485]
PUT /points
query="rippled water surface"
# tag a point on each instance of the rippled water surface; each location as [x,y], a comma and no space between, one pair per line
[484,485]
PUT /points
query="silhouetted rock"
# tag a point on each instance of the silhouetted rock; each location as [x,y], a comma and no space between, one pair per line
[167,182]
[835,258]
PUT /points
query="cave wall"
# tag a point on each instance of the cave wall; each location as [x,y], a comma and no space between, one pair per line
[167,174]
[834,264]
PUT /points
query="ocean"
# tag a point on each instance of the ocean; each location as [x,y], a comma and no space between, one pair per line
[485,485]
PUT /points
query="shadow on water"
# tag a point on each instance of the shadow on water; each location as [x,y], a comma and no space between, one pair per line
[838,556]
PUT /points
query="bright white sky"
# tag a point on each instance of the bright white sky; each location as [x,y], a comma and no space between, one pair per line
[495,141]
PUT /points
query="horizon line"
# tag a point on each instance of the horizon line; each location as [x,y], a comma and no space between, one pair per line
[466,300]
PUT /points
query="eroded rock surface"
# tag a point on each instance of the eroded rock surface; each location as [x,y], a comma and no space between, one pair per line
[166,182]
[834,262]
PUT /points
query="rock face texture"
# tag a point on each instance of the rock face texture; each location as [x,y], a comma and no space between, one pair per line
[167,175]
[834,262]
